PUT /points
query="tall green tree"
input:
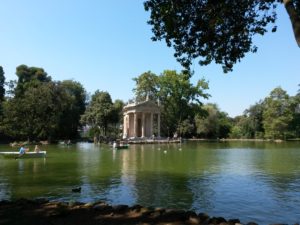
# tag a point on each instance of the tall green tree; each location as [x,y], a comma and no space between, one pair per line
[180,99]
[38,108]
[220,31]
[254,125]
[2,93]
[75,103]
[29,77]
[146,86]
[2,83]
[295,123]
[99,112]
[215,124]
[116,119]
[240,127]
[35,115]
[117,116]
[277,114]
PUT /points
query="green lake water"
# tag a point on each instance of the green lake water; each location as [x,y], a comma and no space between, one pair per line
[251,181]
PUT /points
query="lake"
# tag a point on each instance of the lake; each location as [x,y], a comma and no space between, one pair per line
[252,181]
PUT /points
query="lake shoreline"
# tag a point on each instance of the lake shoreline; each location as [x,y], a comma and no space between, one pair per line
[241,140]
[42,211]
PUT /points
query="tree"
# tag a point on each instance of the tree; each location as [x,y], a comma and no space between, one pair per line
[2,93]
[74,107]
[295,123]
[179,97]
[28,77]
[99,111]
[238,130]
[35,115]
[116,119]
[254,122]
[215,124]
[2,82]
[146,86]
[277,114]
[117,116]
[38,108]
[220,31]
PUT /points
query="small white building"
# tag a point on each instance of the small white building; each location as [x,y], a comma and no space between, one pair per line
[140,118]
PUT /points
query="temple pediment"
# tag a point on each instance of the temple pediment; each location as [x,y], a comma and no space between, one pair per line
[145,106]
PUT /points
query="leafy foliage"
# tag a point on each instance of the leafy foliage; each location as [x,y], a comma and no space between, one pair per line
[2,82]
[215,124]
[147,85]
[75,101]
[179,97]
[217,31]
[250,125]
[29,77]
[99,112]
[36,115]
[277,114]
[40,109]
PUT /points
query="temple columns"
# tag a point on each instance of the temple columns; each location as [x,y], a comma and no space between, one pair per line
[125,126]
[158,125]
[145,128]
[143,125]
[135,125]
[151,124]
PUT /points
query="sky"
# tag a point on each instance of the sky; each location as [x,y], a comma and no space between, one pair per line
[104,44]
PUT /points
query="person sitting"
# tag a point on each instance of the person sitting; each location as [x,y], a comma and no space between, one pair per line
[23,150]
[37,149]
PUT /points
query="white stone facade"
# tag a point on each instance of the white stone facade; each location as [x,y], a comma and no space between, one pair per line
[139,120]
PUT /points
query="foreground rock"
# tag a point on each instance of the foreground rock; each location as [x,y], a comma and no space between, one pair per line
[43,212]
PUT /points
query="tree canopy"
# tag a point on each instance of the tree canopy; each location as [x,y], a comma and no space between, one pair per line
[41,109]
[275,117]
[278,114]
[180,98]
[146,86]
[99,112]
[29,76]
[215,30]
[215,124]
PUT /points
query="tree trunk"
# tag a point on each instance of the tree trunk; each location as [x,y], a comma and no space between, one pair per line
[294,17]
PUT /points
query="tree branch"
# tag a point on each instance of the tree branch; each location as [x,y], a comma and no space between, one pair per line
[294,17]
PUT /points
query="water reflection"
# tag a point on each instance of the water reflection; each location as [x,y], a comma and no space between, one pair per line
[252,181]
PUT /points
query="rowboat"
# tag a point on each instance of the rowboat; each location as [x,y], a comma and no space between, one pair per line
[121,147]
[16,155]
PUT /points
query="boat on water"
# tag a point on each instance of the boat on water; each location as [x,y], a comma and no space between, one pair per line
[16,155]
[121,147]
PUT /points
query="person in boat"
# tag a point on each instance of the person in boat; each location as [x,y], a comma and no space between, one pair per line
[23,150]
[37,149]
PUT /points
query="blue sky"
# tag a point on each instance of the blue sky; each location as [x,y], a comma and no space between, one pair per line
[104,44]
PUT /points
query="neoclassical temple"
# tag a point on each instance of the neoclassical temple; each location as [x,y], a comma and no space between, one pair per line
[141,120]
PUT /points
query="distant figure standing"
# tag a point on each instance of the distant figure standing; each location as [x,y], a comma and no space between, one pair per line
[37,149]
